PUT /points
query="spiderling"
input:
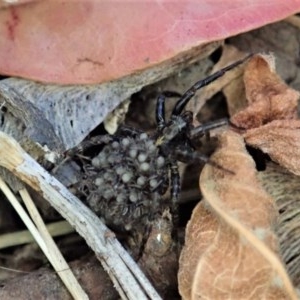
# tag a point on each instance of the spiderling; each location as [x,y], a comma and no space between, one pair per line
[125,182]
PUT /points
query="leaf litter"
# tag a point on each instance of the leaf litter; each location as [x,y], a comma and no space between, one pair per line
[233,233]
[231,248]
[269,98]
[233,244]
[285,189]
[271,117]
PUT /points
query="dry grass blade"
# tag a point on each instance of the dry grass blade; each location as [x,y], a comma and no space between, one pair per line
[53,255]
[23,237]
[230,250]
[60,265]
[128,278]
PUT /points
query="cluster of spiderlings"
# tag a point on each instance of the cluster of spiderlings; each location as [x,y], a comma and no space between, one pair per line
[131,177]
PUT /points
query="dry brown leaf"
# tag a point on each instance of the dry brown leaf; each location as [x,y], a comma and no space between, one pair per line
[230,250]
[281,140]
[268,96]
[285,189]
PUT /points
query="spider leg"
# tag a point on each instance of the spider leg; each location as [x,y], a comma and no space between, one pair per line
[205,128]
[182,102]
[186,155]
[160,107]
[175,188]
[129,131]
[95,140]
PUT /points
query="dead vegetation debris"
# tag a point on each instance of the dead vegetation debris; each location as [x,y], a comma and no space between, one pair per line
[241,240]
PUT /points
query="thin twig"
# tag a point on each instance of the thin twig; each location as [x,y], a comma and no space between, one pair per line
[57,260]
[24,236]
[87,224]
[75,292]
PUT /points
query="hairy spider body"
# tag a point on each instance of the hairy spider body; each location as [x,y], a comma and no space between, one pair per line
[126,181]
[130,175]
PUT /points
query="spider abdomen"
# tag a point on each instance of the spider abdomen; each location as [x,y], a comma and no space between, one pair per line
[130,176]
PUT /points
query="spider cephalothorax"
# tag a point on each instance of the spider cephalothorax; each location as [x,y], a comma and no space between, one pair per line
[127,179]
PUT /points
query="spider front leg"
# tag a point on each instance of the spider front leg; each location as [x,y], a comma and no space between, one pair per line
[188,156]
[160,107]
[182,102]
[129,131]
[175,188]
[94,141]
[205,128]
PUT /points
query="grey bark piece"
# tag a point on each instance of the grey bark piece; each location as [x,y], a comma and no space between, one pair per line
[74,111]
[22,120]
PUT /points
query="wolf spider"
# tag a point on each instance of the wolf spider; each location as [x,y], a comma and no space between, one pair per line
[125,183]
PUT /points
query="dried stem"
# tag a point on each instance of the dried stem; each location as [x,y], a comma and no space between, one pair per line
[57,260]
[115,260]
[23,237]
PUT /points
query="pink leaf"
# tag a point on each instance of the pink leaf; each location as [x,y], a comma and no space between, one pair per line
[92,41]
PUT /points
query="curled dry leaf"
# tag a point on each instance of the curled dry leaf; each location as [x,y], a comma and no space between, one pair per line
[268,96]
[285,189]
[281,140]
[230,250]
